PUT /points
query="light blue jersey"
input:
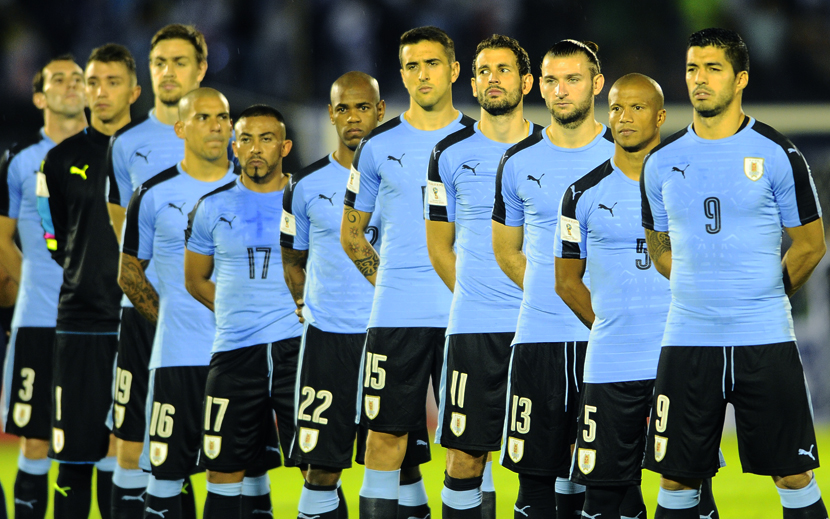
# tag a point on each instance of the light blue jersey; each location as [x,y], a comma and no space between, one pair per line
[154,230]
[389,169]
[529,185]
[40,276]
[460,188]
[241,230]
[337,297]
[724,204]
[599,221]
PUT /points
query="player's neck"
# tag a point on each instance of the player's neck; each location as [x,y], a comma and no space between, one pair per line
[166,114]
[275,183]
[631,163]
[434,118]
[111,126]
[59,127]
[725,124]
[509,128]
[344,155]
[203,169]
[577,137]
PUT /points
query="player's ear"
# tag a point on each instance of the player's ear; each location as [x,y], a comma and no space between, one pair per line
[286,148]
[661,117]
[179,129]
[135,94]
[599,82]
[202,71]
[473,84]
[456,70]
[331,114]
[39,100]
[381,110]
[527,84]
[742,80]
[233,147]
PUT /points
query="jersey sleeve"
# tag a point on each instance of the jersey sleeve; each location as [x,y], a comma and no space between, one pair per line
[794,189]
[294,226]
[508,208]
[199,235]
[651,193]
[11,185]
[51,206]
[140,225]
[364,179]
[440,206]
[572,227]
[120,184]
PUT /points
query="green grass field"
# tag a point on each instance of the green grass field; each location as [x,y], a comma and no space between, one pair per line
[738,495]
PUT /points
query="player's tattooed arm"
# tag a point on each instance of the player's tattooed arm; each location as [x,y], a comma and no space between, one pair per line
[133,281]
[198,268]
[804,254]
[507,246]
[440,241]
[354,242]
[572,290]
[293,268]
[659,248]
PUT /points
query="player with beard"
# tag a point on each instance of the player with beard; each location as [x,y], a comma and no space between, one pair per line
[140,150]
[27,406]
[485,305]
[71,191]
[253,367]
[717,197]
[545,375]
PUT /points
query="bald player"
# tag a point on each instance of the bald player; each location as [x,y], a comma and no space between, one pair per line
[155,219]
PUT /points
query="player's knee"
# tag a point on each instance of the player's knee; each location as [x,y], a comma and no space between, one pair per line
[794,482]
[34,448]
[323,476]
[225,477]
[465,464]
[410,474]
[679,484]
[128,453]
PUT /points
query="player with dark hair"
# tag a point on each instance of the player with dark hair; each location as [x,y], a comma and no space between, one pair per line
[716,198]
[71,191]
[485,306]
[545,376]
[57,90]
[404,341]
[140,150]
[253,366]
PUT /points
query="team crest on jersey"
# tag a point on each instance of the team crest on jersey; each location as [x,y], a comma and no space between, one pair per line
[515,449]
[372,405]
[660,443]
[587,460]
[569,229]
[288,224]
[158,453]
[437,193]
[753,168]
[118,415]
[58,439]
[354,181]
[213,446]
[458,423]
[308,438]
[22,414]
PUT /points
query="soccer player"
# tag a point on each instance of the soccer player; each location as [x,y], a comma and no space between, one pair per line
[156,216]
[71,187]
[404,341]
[716,198]
[549,346]
[27,406]
[485,305]
[140,150]
[253,366]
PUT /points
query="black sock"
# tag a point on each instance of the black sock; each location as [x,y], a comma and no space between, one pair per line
[604,501]
[260,504]
[31,494]
[103,493]
[342,508]
[632,505]
[707,507]
[449,495]
[163,507]
[222,507]
[188,500]
[537,497]
[73,491]
[687,513]
[569,506]
[127,503]
[814,511]
[375,508]
[488,505]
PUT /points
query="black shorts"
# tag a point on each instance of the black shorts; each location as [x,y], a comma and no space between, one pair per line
[27,401]
[773,412]
[326,391]
[245,389]
[473,385]
[611,438]
[395,371]
[543,395]
[82,375]
[173,436]
[135,343]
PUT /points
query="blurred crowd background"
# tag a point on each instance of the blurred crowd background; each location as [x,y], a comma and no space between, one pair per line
[287,53]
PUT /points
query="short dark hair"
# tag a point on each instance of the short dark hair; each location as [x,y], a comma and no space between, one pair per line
[113,53]
[730,41]
[427,33]
[37,81]
[499,41]
[566,48]
[188,33]
[261,111]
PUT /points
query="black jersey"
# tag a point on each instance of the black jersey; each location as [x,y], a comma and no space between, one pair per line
[73,183]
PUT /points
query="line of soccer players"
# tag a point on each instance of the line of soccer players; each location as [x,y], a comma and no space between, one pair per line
[473,242]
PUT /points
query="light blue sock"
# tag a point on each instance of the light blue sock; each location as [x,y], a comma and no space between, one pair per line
[380,484]
[258,486]
[568,487]
[487,484]
[33,467]
[224,489]
[317,502]
[413,494]
[129,478]
[678,499]
[461,499]
[164,488]
[800,498]
[107,464]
